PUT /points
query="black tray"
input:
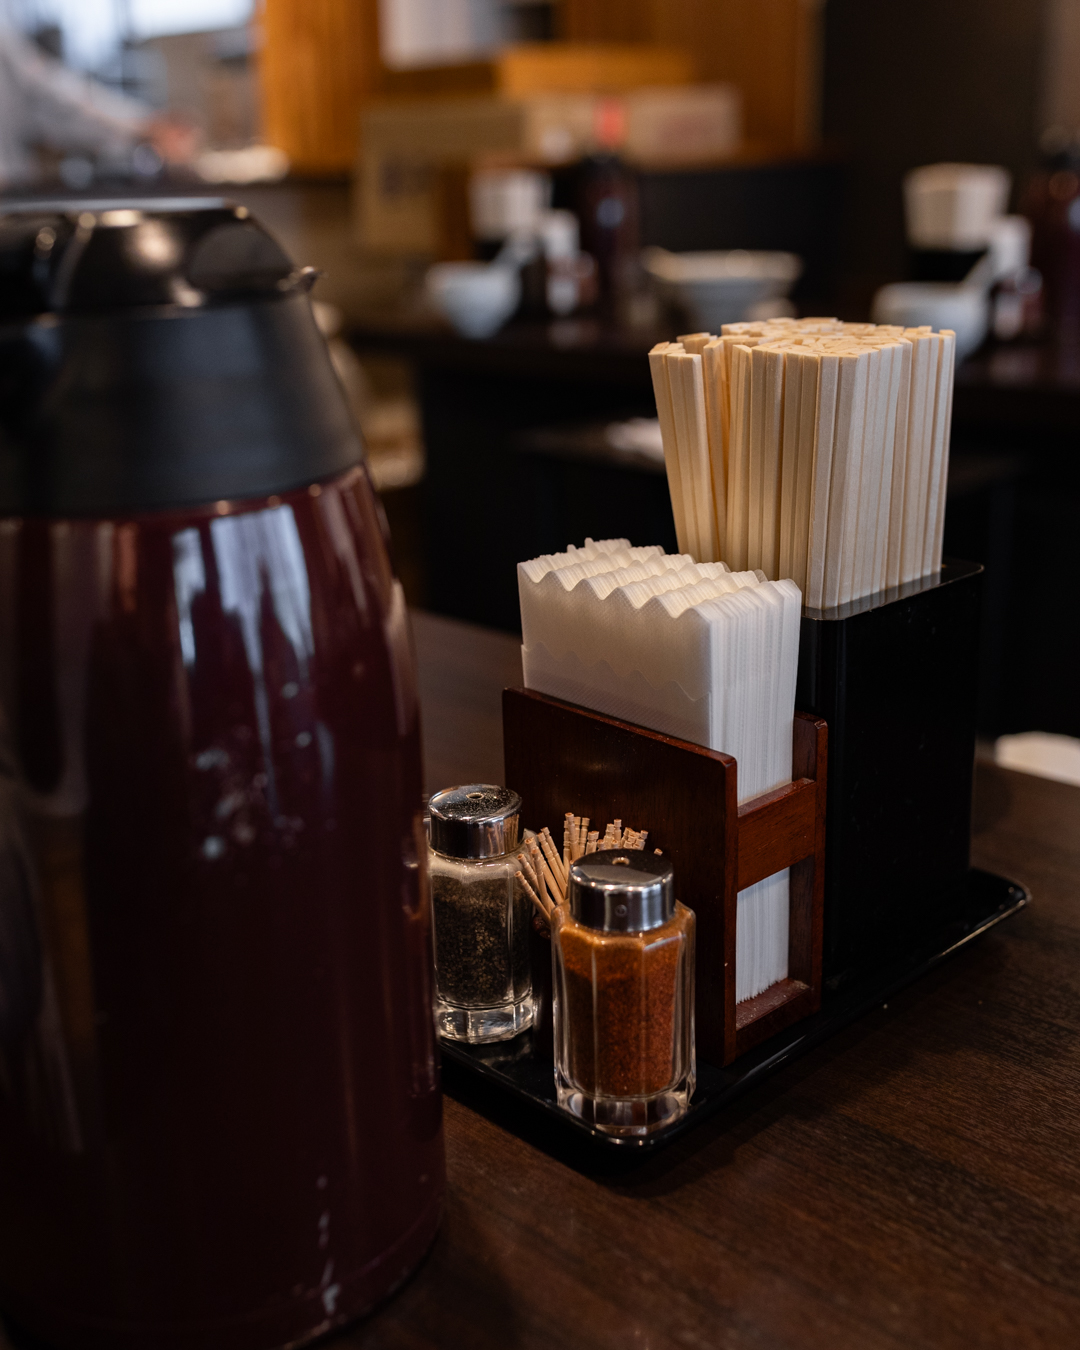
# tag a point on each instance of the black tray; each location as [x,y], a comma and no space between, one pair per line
[525,1075]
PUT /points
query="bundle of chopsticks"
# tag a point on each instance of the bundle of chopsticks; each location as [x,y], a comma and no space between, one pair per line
[545,872]
[811,449]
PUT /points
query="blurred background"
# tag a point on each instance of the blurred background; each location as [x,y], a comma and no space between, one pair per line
[511,200]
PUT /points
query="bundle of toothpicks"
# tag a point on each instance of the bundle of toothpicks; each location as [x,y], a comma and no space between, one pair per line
[545,872]
[810,449]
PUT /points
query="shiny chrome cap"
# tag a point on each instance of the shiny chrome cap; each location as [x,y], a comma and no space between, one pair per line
[623,890]
[480,820]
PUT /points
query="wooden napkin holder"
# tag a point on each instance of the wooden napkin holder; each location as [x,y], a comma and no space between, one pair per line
[562,757]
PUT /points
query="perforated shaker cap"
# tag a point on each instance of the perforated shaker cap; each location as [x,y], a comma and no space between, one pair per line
[621,890]
[480,820]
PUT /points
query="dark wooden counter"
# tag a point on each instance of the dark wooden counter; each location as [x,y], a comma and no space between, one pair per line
[913,1183]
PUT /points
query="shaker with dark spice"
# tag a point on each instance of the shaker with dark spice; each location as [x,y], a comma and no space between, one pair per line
[481,914]
[623,956]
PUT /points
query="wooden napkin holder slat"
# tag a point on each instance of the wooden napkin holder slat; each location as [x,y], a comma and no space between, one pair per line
[562,757]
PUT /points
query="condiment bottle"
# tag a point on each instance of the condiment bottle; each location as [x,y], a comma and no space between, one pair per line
[481,914]
[623,960]
[608,207]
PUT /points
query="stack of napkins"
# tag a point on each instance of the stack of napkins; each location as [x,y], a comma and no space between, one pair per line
[810,449]
[693,650]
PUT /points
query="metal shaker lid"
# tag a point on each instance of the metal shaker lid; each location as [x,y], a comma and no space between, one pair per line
[480,820]
[621,890]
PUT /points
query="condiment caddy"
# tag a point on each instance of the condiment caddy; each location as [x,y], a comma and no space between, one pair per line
[811,450]
[890,671]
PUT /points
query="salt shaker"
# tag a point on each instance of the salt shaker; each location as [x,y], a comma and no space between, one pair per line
[481,914]
[623,969]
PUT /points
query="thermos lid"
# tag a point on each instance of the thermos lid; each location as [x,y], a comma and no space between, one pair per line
[157,353]
[96,257]
[621,890]
[480,820]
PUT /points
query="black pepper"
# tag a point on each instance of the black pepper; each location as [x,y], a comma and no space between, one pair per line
[481,938]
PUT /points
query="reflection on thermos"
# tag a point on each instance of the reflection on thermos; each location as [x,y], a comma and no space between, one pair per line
[220,1121]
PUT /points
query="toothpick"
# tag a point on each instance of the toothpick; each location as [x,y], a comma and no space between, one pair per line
[527,867]
[556,861]
[541,884]
[545,914]
[551,858]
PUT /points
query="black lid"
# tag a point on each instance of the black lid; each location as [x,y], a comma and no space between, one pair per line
[157,353]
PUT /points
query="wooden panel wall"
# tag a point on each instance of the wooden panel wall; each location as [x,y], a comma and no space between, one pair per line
[319,61]
[771,49]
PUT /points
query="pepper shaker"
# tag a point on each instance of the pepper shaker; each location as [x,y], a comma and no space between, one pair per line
[623,971]
[481,914]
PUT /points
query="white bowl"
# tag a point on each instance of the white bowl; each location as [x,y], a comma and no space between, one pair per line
[477,298]
[954,206]
[723,286]
[942,304]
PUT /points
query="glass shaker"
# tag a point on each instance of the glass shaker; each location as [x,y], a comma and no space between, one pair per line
[481,914]
[623,959]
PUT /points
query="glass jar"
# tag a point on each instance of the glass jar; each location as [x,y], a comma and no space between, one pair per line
[481,914]
[623,970]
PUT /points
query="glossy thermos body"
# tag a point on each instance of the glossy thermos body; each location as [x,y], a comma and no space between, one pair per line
[219,1106]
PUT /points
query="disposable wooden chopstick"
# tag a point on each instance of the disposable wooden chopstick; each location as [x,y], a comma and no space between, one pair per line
[790,447]
[801,366]
[738,494]
[693,433]
[895,540]
[717,416]
[925,361]
[812,449]
[828,372]
[772,434]
[939,529]
[695,342]
[810,394]
[939,456]
[666,414]
[844,480]
[760,425]
[859,564]
[897,393]
[687,393]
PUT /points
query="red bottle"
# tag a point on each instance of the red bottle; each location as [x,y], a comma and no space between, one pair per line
[220,1120]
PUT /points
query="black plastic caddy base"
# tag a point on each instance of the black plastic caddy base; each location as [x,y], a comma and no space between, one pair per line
[522,1075]
[895,677]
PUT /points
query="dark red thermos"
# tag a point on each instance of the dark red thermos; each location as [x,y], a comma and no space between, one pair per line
[220,1119]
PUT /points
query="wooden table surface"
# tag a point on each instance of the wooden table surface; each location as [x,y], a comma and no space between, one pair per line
[913,1182]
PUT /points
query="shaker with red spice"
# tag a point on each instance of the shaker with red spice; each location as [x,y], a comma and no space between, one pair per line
[623,959]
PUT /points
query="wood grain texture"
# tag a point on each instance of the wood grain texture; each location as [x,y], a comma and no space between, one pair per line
[318,63]
[779,825]
[770,49]
[561,758]
[912,1185]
